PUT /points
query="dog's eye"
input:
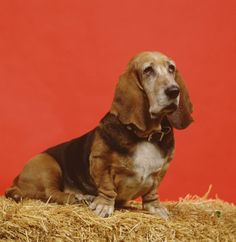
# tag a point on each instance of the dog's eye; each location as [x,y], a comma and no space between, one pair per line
[171,68]
[148,71]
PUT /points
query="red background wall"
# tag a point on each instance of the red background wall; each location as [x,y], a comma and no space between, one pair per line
[60,61]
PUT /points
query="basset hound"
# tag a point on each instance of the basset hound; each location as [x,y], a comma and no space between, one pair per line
[127,155]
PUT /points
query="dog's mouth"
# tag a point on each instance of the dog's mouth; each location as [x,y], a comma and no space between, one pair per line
[166,110]
[170,108]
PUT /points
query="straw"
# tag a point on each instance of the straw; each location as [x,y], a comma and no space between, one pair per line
[192,218]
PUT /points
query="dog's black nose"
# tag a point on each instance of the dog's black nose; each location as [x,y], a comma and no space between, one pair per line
[172,92]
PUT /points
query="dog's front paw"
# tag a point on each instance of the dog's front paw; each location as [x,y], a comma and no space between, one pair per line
[102,207]
[84,198]
[156,209]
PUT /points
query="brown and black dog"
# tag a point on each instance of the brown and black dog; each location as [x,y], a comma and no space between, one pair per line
[127,155]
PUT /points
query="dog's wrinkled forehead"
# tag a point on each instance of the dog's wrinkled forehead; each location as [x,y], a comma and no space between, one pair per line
[154,59]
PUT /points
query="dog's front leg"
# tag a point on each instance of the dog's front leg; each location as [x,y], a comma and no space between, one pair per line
[152,204]
[151,201]
[103,204]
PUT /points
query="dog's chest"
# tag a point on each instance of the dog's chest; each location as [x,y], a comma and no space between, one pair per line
[147,161]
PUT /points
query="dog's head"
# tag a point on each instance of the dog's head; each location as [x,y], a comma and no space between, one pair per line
[152,88]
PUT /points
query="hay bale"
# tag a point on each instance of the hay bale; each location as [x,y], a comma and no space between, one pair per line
[192,219]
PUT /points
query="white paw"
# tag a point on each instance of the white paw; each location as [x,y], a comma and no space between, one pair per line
[157,209]
[103,210]
[84,198]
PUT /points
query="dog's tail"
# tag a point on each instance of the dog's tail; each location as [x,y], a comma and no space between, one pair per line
[14,192]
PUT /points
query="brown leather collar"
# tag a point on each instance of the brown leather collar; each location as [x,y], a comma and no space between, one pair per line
[156,135]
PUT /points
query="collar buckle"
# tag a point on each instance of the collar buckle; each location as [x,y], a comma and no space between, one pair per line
[159,135]
[162,134]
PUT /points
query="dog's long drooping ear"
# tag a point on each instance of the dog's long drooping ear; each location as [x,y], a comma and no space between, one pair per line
[129,103]
[182,118]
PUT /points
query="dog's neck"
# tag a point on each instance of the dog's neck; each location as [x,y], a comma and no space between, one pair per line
[156,130]
[152,126]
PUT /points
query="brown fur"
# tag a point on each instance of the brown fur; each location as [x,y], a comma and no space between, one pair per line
[100,166]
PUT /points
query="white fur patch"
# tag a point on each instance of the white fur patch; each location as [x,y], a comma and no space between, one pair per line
[147,160]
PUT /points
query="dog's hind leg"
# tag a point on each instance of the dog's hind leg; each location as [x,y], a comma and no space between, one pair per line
[41,179]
